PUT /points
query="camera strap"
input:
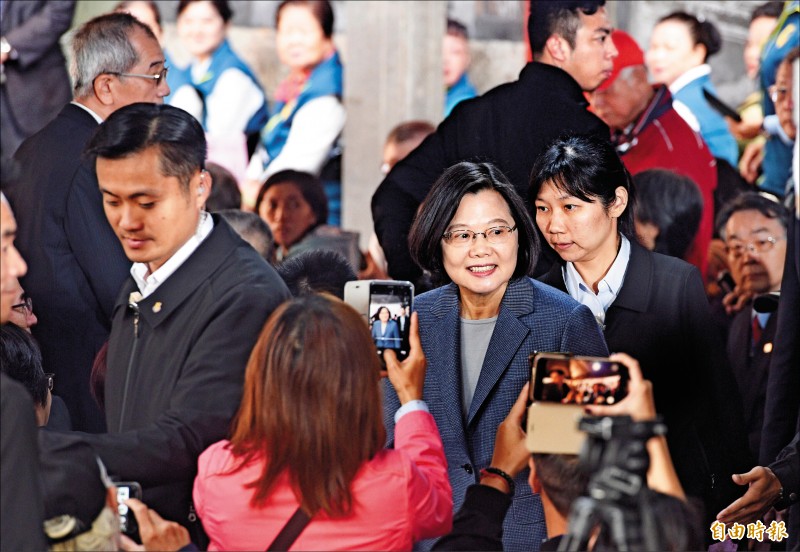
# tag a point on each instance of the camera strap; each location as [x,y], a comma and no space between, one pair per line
[290,531]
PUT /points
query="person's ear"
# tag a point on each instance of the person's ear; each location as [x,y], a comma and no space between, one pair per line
[203,187]
[620,202]
[557,48]
[103,88]
[533,479]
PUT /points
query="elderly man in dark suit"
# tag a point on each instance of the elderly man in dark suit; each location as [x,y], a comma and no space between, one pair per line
[510,125]
[76,263]
[754,230]
[35,84]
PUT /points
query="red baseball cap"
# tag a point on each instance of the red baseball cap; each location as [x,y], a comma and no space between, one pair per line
[629,54]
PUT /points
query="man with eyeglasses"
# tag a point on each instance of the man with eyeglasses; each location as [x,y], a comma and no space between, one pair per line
[77,264]
[754,230]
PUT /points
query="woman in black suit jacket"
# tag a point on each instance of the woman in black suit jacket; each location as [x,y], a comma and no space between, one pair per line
[651,306]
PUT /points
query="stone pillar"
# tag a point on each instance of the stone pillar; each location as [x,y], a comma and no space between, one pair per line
[393,73]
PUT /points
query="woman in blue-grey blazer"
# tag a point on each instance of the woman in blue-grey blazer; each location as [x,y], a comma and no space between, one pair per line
[651,306]
[474,233]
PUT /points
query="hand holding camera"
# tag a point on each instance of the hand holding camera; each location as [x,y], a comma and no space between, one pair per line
[408,376]
[639,403]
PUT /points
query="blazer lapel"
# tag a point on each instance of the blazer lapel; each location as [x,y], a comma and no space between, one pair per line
[509,334]
[637,286]
[445,351]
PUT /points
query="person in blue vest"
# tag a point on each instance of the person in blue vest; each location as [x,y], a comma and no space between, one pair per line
[217,87]
[308,116]
[773,156]
[456,59]
[680,46]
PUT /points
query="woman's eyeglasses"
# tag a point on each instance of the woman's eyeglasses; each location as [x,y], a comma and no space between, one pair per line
[495,235]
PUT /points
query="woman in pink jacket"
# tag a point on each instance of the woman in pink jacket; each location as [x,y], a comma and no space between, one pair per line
[308,439]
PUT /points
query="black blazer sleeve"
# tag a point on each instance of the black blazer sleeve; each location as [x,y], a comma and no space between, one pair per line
[38,34]
[787,469]
[478,525]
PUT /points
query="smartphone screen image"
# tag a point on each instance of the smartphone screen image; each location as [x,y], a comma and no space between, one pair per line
[127,521]
[389,315]
[579,380]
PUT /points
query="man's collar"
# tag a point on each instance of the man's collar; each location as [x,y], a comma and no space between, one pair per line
[94,115]
[148,283]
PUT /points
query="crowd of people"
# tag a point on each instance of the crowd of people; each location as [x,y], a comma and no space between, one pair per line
[174,267]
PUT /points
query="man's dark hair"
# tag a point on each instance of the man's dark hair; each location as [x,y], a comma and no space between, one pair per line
[767,9]
[137,127]
[21,359]
[588,168]
[441,204]
[562,479]
[253,230]
[561,17]
[225,192]
[456,28]
[752,201]
[316,271]
[674,204]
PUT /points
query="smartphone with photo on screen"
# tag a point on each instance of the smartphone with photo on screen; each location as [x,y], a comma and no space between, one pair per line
[386,306]
[562,385]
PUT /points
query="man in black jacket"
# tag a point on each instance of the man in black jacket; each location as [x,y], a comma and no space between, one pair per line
[186,320]
[510,125]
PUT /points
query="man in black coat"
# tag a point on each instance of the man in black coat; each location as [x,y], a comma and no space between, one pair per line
[76,263]
[186,320]
[510,125]
[34,72]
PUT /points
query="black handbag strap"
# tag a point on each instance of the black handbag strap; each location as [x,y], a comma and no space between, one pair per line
[290,531]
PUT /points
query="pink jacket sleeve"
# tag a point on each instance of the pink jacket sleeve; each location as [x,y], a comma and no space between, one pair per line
[430,498]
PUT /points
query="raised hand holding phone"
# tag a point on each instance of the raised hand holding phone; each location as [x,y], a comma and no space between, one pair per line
[408,376]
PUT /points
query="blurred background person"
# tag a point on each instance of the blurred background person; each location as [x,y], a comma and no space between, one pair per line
[650,134]
[648,306]
[225,192]
[295,207]
[773,157]
[474,234]
[312,399]
[667,211]
[401,140]
[456,58]
[762,22]
[307,116]
[34,84]
[680,46]
[217,87]
[252,229]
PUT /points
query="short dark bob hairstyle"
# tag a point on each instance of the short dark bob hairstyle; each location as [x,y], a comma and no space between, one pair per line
[441,204]
[320,9]
[588,168]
